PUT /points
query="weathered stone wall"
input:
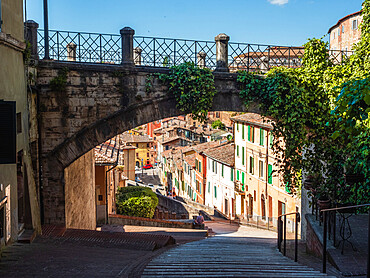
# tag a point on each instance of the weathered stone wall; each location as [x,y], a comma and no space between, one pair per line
[99,102]
[140,221]
[80,210]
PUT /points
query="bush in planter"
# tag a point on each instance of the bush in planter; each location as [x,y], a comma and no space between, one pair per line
[136,201]
[137,206]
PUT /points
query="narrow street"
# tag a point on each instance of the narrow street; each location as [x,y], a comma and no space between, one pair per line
[233,252]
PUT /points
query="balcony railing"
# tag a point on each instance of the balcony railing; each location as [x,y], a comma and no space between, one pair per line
[166,52]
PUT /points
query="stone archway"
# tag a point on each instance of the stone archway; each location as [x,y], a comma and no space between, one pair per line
[99,102]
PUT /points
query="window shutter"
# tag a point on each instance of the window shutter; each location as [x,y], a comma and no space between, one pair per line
[270,174]
[243,155]
[262,136]
[249,133]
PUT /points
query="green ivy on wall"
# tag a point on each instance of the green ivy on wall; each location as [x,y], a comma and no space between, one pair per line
[193,88]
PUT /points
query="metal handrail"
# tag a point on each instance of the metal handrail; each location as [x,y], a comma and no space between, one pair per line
[282,234]
[324,212]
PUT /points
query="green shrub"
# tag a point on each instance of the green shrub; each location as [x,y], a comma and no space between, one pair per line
[136,201]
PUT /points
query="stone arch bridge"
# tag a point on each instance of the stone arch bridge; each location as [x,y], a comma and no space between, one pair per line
[101,99]
[99,102]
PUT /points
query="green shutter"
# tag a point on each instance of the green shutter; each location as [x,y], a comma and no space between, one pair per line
[270,174]
[243,155]
[222,170]
[262,136]
[237,175]
[271,140]
[243,132]
[237,127]
[209,187]
[232,174]
[243,178]
[249,133]
[200,166]
[237,150]
[215,192]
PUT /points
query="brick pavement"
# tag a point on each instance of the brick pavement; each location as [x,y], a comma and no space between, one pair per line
[81,254]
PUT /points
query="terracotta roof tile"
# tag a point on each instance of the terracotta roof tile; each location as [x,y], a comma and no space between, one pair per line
[254,119]
[223,153]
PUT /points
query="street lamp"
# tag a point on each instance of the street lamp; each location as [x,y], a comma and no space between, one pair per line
[46,30]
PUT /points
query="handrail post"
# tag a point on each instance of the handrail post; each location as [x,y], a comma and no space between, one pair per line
[324,243]
[127,39]
[284,235]
[368,248]
[279,233]
[297,219]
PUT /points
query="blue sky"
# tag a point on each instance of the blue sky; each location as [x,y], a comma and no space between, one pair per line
[279,22]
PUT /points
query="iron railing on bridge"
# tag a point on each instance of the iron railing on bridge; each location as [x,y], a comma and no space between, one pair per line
[166,52]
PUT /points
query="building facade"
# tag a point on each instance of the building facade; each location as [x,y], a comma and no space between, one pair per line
[346,32]
[256,166]
[19,193]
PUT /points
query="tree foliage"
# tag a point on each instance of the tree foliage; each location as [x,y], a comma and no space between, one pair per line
[321,111]
[218,124]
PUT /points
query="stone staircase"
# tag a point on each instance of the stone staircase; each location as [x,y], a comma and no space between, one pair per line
[222,256]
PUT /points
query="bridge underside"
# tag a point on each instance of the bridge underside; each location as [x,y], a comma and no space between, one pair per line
[98,102]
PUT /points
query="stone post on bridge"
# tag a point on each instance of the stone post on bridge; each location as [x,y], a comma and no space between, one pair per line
[127,39]
[137,56]
[264,66]
[222,52]
[71,52]
[30,28]
[201,57]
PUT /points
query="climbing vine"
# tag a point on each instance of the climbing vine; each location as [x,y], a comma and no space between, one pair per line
[321,112]
[193,88]
[59,83]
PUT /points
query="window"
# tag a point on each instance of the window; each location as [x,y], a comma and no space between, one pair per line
[215,167]
[232,174]
[251,134]
[269,178]
[147,145]
[243,152]
[200,166]
[262,137]
[354,24]
[222,170]
[251,165]
[209,187]
[261,169]
[215,191]
[147,154]
[338,32]
[342,28]
[237,150]
[243,132]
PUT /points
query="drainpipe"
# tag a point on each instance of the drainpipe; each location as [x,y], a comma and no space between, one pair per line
[106,185]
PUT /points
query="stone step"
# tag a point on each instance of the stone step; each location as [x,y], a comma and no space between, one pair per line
[27,236]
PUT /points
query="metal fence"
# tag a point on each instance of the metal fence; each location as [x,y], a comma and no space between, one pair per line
[167,52]
[87,47]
